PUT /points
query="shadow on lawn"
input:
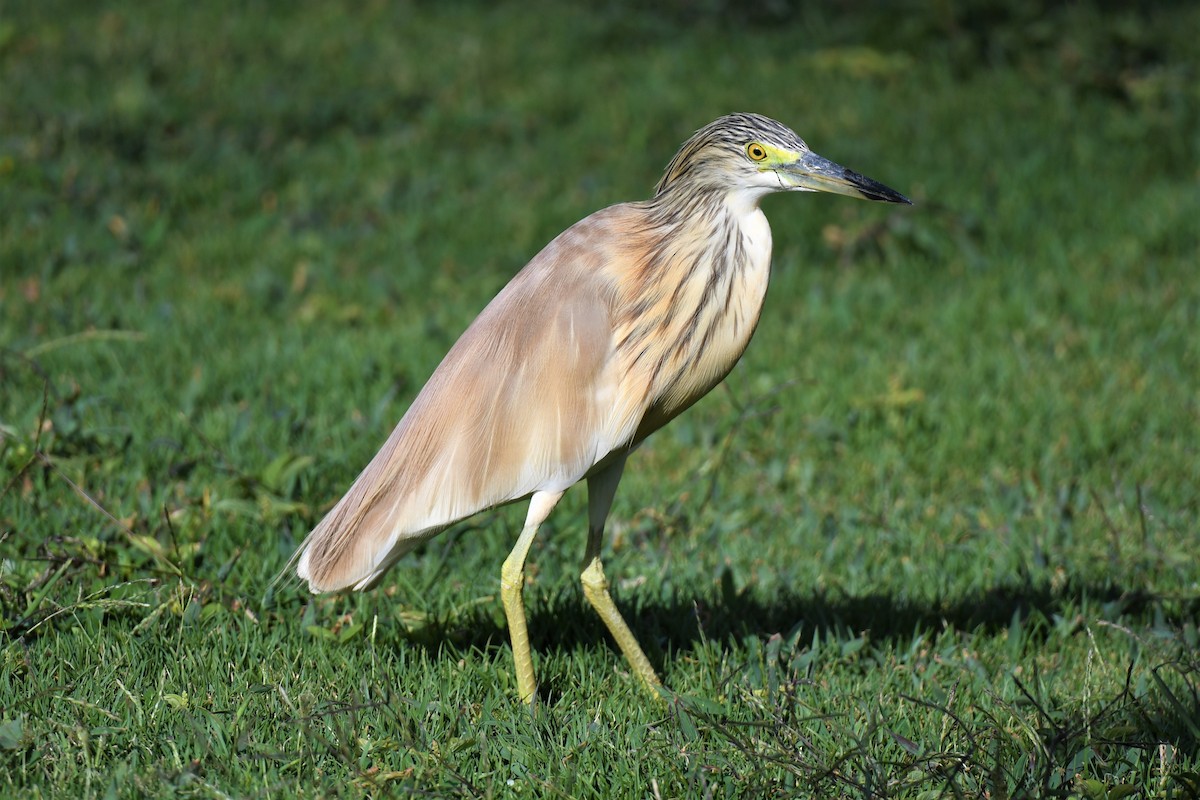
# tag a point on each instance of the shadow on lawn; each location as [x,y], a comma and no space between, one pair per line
[565,621]
[1142,720]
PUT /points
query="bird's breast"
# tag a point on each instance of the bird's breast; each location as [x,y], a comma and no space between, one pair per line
[708,318]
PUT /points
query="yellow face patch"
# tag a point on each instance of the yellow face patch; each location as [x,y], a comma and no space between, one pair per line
[768,156]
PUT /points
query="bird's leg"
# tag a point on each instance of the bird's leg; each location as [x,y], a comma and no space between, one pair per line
[512,584]
[601,489]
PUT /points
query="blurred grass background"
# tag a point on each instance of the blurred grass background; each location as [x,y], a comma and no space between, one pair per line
[935,537]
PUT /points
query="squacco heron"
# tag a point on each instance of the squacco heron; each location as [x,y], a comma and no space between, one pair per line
[621,323]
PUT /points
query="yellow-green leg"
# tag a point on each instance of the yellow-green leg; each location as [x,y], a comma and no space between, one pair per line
[512,584]
[601,489]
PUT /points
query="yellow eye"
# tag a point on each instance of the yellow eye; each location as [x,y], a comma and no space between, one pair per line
[756,151]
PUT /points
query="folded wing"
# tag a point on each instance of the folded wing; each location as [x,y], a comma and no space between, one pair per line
[523,402]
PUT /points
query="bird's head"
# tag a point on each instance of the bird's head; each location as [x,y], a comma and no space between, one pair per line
[753,155]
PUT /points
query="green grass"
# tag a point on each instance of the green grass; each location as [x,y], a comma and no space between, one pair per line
[936,536]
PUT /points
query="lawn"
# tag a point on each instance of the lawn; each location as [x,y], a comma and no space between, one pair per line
[935,536]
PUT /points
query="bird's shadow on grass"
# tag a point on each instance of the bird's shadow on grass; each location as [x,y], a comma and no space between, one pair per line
[665,627]
[681,622]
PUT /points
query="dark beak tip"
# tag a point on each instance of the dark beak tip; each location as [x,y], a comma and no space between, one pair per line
[874,190]
[883,194]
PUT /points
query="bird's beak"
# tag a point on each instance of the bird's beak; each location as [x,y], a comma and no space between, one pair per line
[812,173]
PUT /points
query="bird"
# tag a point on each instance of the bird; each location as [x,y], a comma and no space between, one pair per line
[616,327]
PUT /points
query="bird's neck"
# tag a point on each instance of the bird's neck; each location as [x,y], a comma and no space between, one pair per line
[708,212]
